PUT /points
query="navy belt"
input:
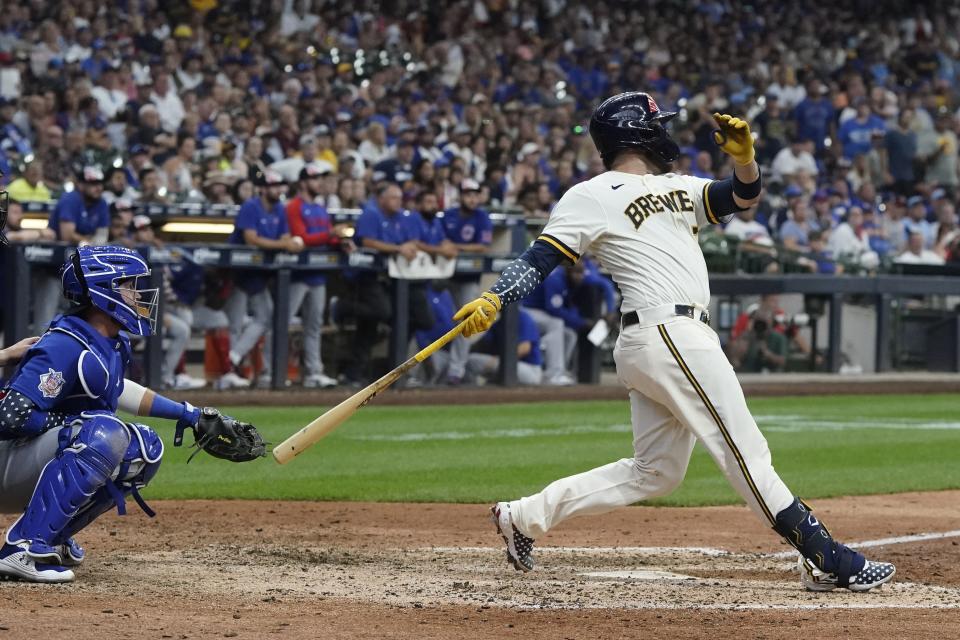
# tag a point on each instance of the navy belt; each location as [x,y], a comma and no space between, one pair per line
[631,318]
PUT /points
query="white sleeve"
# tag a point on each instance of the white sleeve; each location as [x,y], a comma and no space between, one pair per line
[575,222]
[132,396]
[697,192]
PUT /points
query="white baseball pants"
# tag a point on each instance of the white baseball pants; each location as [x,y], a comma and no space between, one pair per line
[682,388]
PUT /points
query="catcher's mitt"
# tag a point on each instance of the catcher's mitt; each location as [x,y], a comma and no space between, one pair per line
[225,437]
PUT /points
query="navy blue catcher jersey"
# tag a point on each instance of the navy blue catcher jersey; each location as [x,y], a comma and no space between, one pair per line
[72,368]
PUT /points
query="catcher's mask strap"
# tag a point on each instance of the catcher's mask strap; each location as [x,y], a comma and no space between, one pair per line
[78,271]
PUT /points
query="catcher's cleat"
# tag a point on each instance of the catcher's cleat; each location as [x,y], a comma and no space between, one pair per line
[16,564]
[519,546]
[71,553]
[872,575]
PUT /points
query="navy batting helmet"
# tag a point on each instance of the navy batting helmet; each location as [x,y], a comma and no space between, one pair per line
[632,120]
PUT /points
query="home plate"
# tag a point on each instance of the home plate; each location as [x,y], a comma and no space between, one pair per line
[638,574]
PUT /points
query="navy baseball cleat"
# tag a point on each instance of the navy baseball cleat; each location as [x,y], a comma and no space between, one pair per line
[71,553]
[519,546]
[16,564]
[872,575]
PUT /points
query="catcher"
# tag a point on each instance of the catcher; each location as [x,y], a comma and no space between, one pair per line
[65,456]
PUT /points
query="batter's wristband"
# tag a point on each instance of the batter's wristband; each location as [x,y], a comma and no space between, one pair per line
[745,190]
[493,299]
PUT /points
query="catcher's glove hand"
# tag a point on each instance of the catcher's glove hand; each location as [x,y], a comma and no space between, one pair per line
[225,437]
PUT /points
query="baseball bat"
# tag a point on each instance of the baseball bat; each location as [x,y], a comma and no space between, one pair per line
[333,418]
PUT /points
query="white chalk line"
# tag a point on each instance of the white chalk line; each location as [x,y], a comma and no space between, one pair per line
[883,542]
[779,607]
[706,551]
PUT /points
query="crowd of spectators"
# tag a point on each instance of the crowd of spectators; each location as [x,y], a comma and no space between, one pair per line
[400,105]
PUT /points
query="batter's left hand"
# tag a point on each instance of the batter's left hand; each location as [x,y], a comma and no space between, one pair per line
[734,138]
[480,314]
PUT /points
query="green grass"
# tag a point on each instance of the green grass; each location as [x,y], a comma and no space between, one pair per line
[822,446]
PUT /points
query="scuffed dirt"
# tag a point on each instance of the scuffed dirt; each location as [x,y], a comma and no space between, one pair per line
[359,570]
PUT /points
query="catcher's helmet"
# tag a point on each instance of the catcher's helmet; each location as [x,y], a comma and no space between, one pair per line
[115,280]
[632,120]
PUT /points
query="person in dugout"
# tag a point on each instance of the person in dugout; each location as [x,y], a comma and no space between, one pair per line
[309,220]
[261,223]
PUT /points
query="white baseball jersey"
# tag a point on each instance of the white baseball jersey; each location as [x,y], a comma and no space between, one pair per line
[643,229]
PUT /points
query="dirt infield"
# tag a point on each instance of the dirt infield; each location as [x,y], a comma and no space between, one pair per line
[358,570]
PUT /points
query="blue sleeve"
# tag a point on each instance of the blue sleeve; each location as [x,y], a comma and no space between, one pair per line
[527,331]
[413,227]
[246,217]
[722,204]
[606,286]
[103,215]
[484,227]
[553,289]
[48,373]
[283,227]
[68,208]
[845,128]
[366,227]
[53,222]
[450,227]
[544,256]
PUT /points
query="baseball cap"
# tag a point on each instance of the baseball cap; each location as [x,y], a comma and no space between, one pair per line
[307,138]
[469,184]
[316,169]
[528,149]
[91,174]
[269,178]
[321,130]
[461,129]
[137,149]
[793,191]
[122,204]
[140,221]
[821,194]
[914,200]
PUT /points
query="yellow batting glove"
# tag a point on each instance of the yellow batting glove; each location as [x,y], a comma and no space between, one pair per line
[480,314]
[734,138]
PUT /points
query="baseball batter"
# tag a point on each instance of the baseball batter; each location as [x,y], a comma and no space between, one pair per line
[641,221]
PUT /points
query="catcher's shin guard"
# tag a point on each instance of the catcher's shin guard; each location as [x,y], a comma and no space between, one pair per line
[140,463]
[82,467]
[802,530]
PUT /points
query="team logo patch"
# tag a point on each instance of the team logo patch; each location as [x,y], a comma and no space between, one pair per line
[653,105]
[51,384]
[467,232]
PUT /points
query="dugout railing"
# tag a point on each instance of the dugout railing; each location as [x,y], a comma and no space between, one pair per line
[20,260]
